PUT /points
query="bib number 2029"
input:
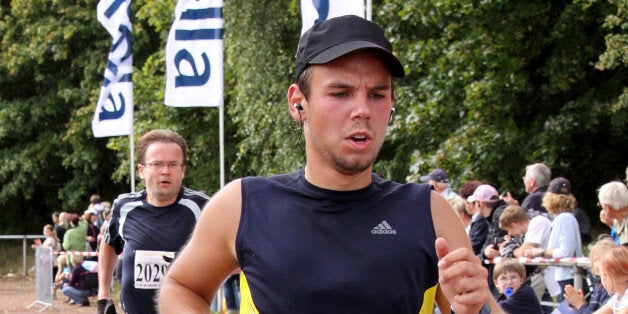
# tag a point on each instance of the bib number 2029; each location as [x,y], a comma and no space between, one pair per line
[150,268]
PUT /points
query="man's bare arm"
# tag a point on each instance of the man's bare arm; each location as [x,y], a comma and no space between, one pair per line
[463,280]
[207,259]
[107,260]
[525,246]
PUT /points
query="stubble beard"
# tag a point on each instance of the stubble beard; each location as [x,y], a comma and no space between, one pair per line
[347,167]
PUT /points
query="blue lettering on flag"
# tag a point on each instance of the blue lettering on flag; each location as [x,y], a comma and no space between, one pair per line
[126,37]
[117,112]
[322,7]
[196,80]
[198,34]
[200,14]
[111,10]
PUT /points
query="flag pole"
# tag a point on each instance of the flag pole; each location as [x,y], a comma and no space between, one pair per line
[131,161]
[221,136]
[369,10]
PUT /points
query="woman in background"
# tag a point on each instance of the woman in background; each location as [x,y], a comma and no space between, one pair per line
[564,240]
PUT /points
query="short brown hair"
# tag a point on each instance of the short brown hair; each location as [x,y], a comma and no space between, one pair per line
[509,264]
[511,214]
[163,136]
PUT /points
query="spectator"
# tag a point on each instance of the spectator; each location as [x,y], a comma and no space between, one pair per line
[62,275]
[516,295]
[50,241]
[575,301]
[438,179]
[98,207]
[535,233]
[106,214]
[535,180]
[466,189]
[335,237]
[486,200]
[459,205]
[89,219]
[564,238]
[55,219]
[478,230]
[77,289]
[64,225]
[614,273]
[74,239]
[613,199]
[584,223]
[149,226]
[481,230]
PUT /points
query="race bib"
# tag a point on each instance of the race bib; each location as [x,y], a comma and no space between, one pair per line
[151,268]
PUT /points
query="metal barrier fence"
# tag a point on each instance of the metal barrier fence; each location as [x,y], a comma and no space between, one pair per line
[25,245]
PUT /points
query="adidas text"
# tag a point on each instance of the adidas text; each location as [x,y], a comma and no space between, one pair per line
[383,228]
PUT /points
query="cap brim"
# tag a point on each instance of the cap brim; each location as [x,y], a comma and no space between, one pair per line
[471,199]
[335,52]
[425,178]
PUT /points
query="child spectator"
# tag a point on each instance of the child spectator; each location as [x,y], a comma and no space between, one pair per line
[516,296]
[614,272]
[51,241]
[459,205]
[575,301]
[62,275]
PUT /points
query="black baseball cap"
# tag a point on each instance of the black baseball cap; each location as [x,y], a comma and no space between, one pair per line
[437,175]
[559,186]
[338,36]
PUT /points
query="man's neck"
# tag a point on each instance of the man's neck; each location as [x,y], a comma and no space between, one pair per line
[156,201]
[330,179]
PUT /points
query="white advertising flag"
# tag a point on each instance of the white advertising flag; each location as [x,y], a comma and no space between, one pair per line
[194,55]
[114,110]
[314,11]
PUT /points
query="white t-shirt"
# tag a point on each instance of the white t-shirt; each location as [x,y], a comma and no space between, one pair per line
[538,231]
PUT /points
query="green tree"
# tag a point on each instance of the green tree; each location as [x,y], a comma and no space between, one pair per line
[46,75]
[495,85]
[491,86]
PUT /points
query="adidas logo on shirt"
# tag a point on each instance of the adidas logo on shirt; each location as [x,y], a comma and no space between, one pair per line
[383,228]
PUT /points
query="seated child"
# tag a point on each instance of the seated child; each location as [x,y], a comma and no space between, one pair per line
[516,296]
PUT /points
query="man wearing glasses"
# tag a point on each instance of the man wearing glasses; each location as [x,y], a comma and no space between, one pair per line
[535,180]
[149,226]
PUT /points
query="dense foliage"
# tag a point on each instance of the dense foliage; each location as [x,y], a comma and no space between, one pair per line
[491,86]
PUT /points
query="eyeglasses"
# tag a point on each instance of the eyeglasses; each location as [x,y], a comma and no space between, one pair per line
[156,165]
[507,278]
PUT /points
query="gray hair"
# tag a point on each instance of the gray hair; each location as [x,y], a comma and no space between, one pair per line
[615,194]
[540,172]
